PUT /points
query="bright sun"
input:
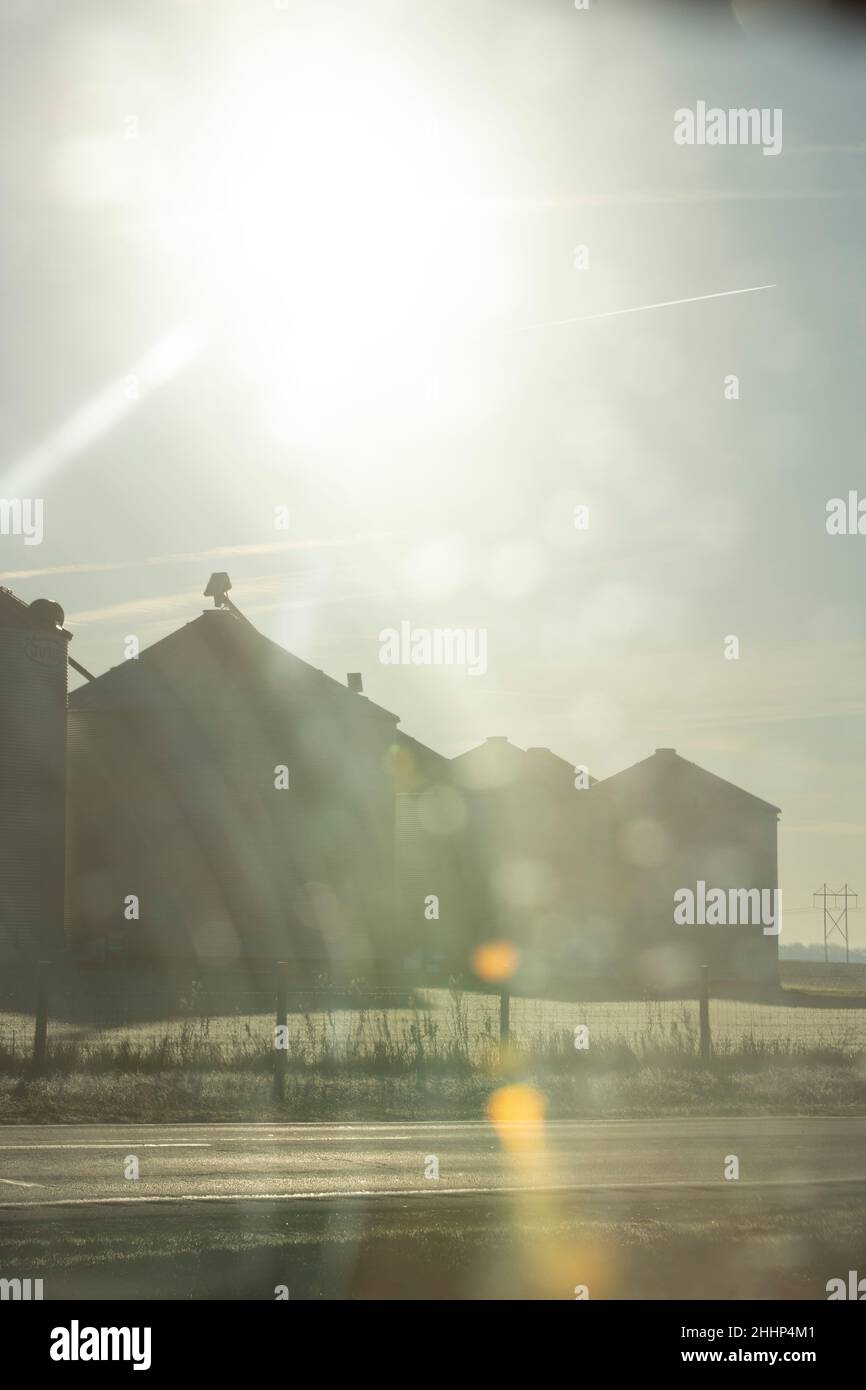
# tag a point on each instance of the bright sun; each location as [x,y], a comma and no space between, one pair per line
[324,225]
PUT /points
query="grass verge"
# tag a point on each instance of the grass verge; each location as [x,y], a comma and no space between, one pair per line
[759,1086]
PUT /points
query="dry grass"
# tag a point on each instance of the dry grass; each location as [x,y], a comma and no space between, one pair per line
[441,1032]
[630,1090]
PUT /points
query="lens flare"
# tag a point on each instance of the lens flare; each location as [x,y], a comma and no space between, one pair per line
[495,961]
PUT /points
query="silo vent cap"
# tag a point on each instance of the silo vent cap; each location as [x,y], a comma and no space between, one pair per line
[45,613]
[217,588]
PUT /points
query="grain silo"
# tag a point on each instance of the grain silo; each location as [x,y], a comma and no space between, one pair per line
[33,663]
[174,760]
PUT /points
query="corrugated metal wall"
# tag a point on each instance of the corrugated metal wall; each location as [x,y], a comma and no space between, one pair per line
[32,792]
[179,808]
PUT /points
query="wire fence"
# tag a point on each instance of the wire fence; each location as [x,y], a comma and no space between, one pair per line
[272,1025]
[778,1027]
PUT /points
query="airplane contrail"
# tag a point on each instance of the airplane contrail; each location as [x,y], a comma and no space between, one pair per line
[642,308]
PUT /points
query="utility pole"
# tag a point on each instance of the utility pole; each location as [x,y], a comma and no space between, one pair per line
[835,904]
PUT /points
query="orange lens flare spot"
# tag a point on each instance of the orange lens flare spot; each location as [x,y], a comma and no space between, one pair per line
[495,961]
[516,1105]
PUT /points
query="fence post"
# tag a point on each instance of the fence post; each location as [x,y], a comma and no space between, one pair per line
[504,1022]
[706,1045]
[280,1054]
[40,1034]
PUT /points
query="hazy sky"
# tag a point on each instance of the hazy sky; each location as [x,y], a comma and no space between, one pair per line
[314,256]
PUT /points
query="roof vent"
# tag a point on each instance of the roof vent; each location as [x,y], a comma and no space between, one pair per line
[218,589]
[45,613]
[355,682]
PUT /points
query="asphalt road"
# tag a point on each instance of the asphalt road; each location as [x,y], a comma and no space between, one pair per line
[46,1165]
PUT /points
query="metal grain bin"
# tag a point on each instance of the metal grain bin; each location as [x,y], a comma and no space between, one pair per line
[33,661]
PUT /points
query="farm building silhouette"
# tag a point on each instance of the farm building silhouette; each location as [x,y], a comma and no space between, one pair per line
[222,800]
